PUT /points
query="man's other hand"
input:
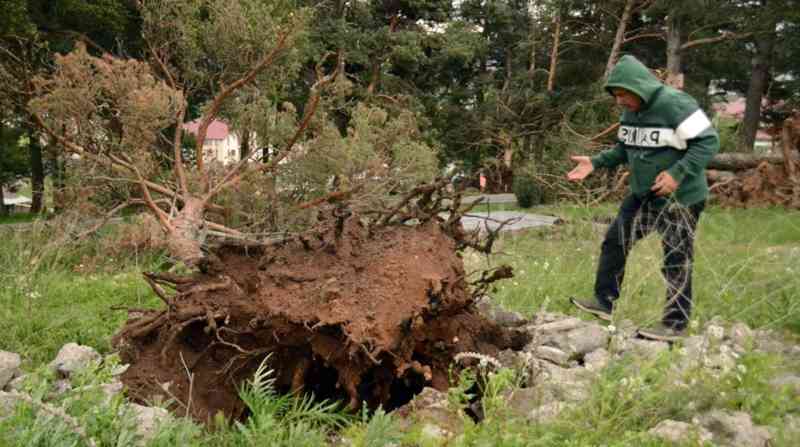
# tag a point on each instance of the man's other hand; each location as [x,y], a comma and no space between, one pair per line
[583,169]
[664,184]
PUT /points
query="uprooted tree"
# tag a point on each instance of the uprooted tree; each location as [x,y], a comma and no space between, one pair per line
[334,252]
[744,179]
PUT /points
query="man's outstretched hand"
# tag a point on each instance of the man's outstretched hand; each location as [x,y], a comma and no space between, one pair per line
[664,184]
[583,169]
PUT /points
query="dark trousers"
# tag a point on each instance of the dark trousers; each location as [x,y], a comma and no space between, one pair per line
[637,218]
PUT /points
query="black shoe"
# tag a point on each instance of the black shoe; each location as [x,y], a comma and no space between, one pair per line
[592,307]
[662,332]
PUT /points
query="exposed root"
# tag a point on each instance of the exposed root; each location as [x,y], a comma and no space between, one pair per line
[358,310]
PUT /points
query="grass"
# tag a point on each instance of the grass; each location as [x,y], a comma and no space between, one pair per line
[745,267]
[746,270]
[16,218]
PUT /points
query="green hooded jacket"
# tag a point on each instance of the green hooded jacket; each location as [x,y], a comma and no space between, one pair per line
[668,133]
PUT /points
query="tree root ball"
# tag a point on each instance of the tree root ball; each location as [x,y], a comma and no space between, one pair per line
[368,316]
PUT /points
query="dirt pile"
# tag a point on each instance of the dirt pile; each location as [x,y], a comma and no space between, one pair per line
[361,314]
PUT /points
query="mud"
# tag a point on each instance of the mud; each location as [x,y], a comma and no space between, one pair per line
[366,316]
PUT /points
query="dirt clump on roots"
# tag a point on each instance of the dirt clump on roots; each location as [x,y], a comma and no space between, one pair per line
[362,315]
[767,184]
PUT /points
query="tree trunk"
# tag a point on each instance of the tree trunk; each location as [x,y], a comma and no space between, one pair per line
[3,210]
[244,147]
[186,236]
[715,176]
[532,53]
[786,149]
[551,78]
[737,161]
[37,172]
[761,64]
[619,37]
[674,63]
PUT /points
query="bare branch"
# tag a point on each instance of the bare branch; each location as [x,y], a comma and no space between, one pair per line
[724,36]
[216,103]
[659,35]
[116,161]
[331,197]
[160,214]
[177,159]
[163,66]
[310,109]
[106,217]
[606,132]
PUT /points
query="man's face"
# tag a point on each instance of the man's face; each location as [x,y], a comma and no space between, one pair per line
[627,99]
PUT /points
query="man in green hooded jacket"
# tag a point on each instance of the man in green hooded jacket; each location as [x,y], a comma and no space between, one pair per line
[666,140]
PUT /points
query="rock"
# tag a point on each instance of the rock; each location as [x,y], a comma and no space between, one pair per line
[789,382]
[579,341]
[724,359]
[645,349]
[561,384]
[765,341]
[120,369]
[9,367]
[499,315]
[17,384]
[148,419]
[627,327]
[430,407]
[714,333]
[596,360]
[60,387]
[548,317]
[526,403]
[73,357]
[588,338]
[551,354]
[7,404]
[680,432]
[565,324]
[112,389]
[734,429]
[431,433]
[740,334]
[546,412]
[791,428]
[692,350]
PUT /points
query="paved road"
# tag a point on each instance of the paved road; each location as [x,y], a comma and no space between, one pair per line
[492,198]
[493,219]
[519,220]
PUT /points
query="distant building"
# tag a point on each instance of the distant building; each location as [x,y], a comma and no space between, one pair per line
[220,145]
[733,109]
[14,203]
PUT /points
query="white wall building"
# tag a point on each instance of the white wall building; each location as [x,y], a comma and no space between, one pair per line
[221,145]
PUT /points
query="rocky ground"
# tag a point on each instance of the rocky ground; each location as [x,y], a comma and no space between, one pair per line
[556,370]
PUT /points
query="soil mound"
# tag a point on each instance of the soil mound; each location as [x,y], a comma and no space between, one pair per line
[361,314]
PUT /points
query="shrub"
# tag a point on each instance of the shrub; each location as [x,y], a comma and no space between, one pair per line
[527,191]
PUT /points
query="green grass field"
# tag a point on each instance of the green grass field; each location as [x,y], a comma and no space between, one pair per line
[746,266]
[746,270]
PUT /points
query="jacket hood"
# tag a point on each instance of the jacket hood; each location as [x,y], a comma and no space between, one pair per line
[633,76]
